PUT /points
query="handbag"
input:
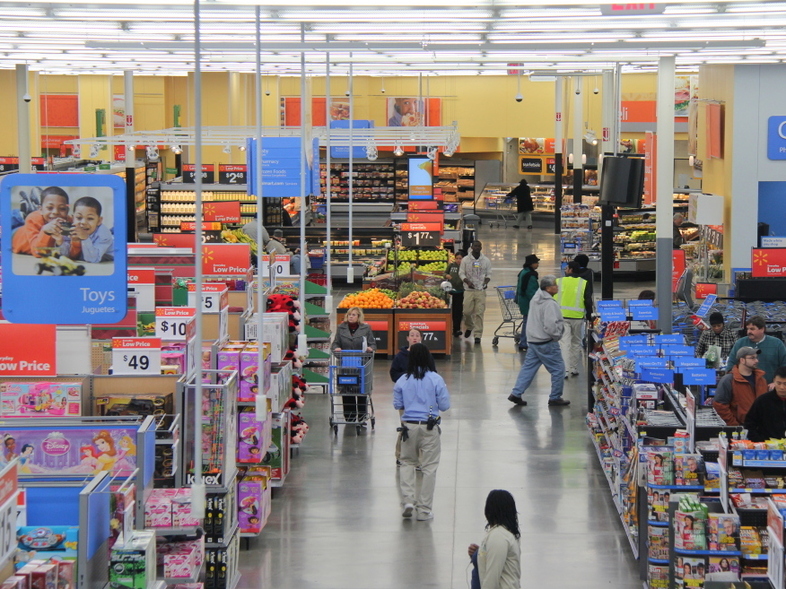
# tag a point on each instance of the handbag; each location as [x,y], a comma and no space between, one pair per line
[475,580]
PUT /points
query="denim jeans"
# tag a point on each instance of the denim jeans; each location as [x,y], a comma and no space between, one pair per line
[550,356]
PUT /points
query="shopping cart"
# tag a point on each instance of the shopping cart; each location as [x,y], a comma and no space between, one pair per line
[350,384]
[512,319]
[506,212]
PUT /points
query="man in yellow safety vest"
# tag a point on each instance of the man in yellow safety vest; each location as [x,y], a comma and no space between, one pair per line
[575,302]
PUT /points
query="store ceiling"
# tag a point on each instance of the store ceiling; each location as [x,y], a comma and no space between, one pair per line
[381,38]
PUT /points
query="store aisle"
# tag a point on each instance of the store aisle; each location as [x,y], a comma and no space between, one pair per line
[337,522]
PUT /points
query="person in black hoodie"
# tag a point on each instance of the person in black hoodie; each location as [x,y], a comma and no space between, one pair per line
[401,360]
[767,416]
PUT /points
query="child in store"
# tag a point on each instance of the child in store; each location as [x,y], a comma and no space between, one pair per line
[92,240]
[45,228]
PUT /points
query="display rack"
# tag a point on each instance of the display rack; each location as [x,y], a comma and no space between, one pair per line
[457,181]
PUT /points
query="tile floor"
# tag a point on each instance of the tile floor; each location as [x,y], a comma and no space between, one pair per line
[337,521]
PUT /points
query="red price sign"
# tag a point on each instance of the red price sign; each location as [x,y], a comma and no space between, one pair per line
[768,262]
[433,333]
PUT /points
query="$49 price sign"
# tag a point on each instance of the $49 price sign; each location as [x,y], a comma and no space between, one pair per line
[136,355]
[172,322]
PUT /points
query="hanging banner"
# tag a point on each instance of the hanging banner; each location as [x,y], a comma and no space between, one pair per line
[28,350]
[768,262]
[281,167]
[226,259]
[66,261]
[222,212]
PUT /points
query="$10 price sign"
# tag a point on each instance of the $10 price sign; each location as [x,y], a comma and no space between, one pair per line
[136,355]
[172,322]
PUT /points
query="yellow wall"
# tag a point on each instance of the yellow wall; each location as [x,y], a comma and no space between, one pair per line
[9,145]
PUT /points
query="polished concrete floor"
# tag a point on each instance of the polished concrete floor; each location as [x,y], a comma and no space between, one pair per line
[337,523]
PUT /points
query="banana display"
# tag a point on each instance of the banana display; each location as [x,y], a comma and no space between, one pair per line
[237,236]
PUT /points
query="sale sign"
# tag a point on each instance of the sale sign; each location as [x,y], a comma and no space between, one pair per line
[28,350]
[222,212]
[226,259]
[215,296]
[172,322]
[768,262]
[433,332]
[136,355]
[232,173]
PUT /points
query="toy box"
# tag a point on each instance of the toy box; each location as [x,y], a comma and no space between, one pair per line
[66,574]
[249,378]
[181,560]
[15,582]
[158,511]
[251,434]
[228,359]
[250,514]
[173,362]
[41,399]
[181,510]
[133,565]
[44,577]
[278,459]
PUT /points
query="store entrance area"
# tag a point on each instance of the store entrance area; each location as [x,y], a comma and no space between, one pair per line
[337,522]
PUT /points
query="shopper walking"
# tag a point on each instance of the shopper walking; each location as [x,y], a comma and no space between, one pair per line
[717,335]
[475,273]
[737,391]
[526,287]
[457,293]
[586,273]
[773,352]
[354,334]
[420,395]
[575,307]
[524,205]
[499,555]
[766,419]
[544,330]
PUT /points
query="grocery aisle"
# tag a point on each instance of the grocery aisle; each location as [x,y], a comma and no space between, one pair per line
[337,522]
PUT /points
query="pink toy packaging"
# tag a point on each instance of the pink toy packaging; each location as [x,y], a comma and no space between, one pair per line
[249,513]
[41,399]
[249,377]
[250,438]
[228,360]
[175,361]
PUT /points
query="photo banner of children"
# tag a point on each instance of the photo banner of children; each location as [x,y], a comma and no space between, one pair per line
[64,240]
[67,450]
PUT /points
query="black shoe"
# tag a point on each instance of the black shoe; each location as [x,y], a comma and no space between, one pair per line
[558,402]
[573,373]
[515,227]
[516,400]
[477,340]
[529,226]
[468,333]
[457,333]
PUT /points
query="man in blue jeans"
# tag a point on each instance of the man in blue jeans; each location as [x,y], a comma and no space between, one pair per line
[544,330]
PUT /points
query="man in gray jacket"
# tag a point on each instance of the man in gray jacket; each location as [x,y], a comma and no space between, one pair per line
[544,330]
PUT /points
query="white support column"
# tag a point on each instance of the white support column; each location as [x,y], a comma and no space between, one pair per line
[664,178]
[23,119]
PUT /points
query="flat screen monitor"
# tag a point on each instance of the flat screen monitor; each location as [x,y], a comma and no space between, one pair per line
[421,179]
[622,181]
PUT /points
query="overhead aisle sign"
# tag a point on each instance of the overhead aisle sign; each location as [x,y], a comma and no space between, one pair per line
[67,261]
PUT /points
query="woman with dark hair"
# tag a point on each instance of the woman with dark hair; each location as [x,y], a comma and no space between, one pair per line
[499,554]
[420,395]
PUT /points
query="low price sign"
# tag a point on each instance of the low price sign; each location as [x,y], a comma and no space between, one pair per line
[28,350]
[231,174]
[215,296]
[136,355]
[142,283]
[208,173]
[434,333]
[172,322]
[768,262]
[223,212]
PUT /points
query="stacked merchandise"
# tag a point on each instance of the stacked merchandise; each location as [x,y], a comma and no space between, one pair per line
[46,557]
[577,229]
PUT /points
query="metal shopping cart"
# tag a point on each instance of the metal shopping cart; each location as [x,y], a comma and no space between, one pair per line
[351,381]
[506,212]
[512,319]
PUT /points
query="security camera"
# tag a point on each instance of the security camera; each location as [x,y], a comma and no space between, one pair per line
[578,91]
[346,93]
[596,91]
[383,90]
[27,97]
[519,97]
[267,92]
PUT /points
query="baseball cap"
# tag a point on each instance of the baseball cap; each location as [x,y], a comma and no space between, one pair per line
[747,351]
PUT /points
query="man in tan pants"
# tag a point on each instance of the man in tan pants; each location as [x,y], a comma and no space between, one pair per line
[475,272]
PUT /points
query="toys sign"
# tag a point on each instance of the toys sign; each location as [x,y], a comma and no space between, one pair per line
[64,261]
[28,350]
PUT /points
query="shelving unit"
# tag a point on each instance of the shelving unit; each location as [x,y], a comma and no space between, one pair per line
[457,182]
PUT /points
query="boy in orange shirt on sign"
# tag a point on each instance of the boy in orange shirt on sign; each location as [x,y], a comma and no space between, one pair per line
[44,228]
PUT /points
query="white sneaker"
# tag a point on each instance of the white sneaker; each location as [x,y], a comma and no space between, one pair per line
[408,509]
[424,516]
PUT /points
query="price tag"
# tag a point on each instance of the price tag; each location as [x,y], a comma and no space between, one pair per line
[433,332]
[8,489]
[213,296]
[136,355]
[142,283]
[421,238]
[172,322]
[280,265]
[208,173]
[231,174]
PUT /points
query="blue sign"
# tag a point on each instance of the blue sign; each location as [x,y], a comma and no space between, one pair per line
[687,362]
[613,314]
[642,363]
[679,351]
[609,303]
[64,250]
[649,351]
[281,158]
[626,341]
[359,145]
[699,376]
[670,338]
[644,313]
[660,375]
[706,305]
[776,138]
